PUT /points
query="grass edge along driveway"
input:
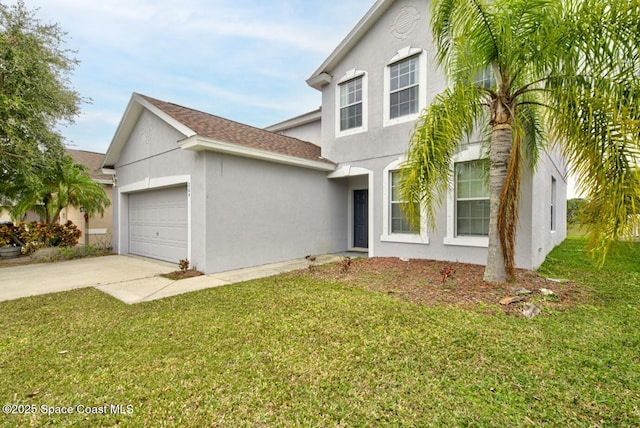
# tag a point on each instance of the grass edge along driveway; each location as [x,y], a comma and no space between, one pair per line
[291,351]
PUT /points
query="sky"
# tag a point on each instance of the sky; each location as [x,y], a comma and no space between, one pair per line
[245,60]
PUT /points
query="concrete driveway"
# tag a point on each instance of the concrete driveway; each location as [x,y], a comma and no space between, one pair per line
[108,271]
[129,279]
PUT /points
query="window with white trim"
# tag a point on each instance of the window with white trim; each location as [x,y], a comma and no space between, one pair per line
[400,222]
[396,227]
[404,87]
[485,78]
[553,203]
[405,82]
[351,104]
[472,198]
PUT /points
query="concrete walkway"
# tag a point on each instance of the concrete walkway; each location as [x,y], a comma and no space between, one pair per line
[129,279]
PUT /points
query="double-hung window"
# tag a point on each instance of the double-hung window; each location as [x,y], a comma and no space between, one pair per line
[485,78]
[404,85]
[472,198]
[351,104]
[400,222]
[396,225]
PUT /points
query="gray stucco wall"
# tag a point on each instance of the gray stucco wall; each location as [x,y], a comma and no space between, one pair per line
[534,236]
[260,212]
[371,55]
[308,132]
[543,239]
[151,159]
[243,212]
[382,143]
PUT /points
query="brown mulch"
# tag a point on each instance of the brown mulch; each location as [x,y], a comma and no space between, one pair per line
[181,274]
[423,282]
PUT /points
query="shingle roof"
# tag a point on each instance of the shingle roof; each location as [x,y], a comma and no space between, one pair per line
[219,129]
[91,160]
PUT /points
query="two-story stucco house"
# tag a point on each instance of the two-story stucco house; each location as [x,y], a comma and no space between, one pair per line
[226,195]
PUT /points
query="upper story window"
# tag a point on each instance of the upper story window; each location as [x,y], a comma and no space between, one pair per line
[351,104]
[405,81]
[404,87]
[472,198]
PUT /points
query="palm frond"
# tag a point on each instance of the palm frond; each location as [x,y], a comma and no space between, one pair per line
[443,126]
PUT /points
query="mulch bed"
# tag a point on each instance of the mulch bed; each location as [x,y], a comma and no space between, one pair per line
[423,282]
[181,274]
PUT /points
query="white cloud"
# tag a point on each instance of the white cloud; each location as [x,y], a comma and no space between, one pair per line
[243,59]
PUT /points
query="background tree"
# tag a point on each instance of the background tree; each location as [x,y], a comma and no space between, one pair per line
[35,94]
[566,71]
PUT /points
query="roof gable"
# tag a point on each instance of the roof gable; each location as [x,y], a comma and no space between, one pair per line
[217,132]
[321,76]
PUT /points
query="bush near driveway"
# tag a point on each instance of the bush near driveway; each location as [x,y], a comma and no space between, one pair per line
[33,235]
[292,350]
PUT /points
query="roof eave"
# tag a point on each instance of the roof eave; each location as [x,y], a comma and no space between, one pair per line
[304,119]
[198,143]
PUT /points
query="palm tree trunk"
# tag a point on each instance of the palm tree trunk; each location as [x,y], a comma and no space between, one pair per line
[499,159]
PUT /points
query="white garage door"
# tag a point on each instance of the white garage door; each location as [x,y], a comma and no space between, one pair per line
[158,224]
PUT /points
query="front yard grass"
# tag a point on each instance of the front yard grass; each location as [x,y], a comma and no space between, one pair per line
[295,351]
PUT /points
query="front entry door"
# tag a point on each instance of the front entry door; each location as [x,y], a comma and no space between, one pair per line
[361,218]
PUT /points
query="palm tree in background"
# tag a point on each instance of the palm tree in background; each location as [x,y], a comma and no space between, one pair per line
[62,183]
[566,76]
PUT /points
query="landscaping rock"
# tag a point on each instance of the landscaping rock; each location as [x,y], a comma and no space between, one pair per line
[559,281]
[521,291]
[511,299]
[547,292]
[530,311]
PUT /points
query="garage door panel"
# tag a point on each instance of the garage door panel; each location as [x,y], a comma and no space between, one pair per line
[158,224]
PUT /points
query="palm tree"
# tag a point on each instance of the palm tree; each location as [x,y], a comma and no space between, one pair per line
[63,183]
[566,76]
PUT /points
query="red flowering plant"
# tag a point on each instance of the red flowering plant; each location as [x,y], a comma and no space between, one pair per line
[6,232]
[37,235]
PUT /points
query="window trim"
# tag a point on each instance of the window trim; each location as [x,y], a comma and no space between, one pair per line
[401,55]
[468,153]
[554,204]
[387,236]
[348,76]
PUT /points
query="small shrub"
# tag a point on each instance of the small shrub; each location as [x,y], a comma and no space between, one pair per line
[447,272]
[183,264]
[46,255]
[67,253]
[5,234]
[346,264]
[54,254]
[34,236]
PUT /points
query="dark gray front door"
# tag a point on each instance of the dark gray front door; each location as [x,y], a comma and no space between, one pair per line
[361,218]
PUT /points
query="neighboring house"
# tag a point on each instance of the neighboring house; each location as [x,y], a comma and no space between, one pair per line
[226,195]
[95,229]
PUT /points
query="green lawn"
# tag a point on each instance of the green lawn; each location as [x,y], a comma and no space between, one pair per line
[290,351]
